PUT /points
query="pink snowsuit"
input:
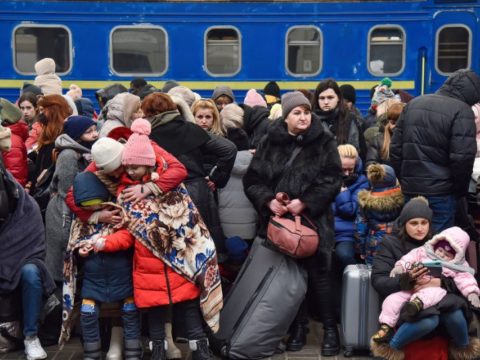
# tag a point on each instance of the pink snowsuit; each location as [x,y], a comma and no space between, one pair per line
[430,296]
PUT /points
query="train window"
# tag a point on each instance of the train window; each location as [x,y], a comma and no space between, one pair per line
[138,50]
[222,53]
[35,42]
[453,48]
[304,51]
[386,50]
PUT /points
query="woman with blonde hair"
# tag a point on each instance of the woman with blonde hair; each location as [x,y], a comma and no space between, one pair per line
[207,116]
[378,150]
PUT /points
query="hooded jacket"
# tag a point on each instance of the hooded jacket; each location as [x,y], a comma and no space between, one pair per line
[255,123]
[16,159]
[119,112]
[433,145]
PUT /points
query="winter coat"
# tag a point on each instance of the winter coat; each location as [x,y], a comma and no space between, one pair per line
[237,214]
[433,145]
[107,277]
[16,159]
[390,251]
[374,149]
[255,123]
[33,135]
[154,283]
[345,206]
[58,216]
[376,217]
[329,118]
[314,177]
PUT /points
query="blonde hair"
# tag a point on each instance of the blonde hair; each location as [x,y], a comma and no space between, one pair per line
[217,126]
[347,151]
[384,106]
[393,113]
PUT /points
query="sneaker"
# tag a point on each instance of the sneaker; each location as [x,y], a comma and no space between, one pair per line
[384,334]
[33,348]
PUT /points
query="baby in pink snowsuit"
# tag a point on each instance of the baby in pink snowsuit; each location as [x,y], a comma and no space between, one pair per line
[449,248]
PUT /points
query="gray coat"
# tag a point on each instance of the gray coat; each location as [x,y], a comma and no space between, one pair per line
[237,214]
[58,217]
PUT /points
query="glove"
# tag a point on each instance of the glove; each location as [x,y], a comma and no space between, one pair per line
[98,243]
[397,270]
[474,300]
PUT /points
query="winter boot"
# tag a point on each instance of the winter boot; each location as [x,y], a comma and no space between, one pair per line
[158,349]
[472,351]
[200,350]
[133,349]
[92,351]
[116,344]
[384,334]
[298,337]
[331,342]
[33,348]
[412,308]
[385,351]
[173,352]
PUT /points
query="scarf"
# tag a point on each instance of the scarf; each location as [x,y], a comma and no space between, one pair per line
[163,118]
[171,227]
[448,264]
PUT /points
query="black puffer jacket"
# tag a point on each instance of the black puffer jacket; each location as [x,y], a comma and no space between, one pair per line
[314,177]
[255,123]
[433,145]
[374,149]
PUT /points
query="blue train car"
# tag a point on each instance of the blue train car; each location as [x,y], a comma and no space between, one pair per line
[240,44]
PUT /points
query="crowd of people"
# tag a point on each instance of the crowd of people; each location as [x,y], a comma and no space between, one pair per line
[153,202]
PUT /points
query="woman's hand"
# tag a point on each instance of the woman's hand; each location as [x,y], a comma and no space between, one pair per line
[110,216]
[136,193]
[295,207]
[85,249]
[277,207]
[211,184]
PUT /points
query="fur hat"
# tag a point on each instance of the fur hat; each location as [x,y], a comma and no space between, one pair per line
[5,138]
[107,154]
[75,126]
[138,149]
[291,100]
[348,92]
[253,98]
[381,177]
[75,92]
[417,207]
[9,113]
[89,190]
[45,66]
[223,91]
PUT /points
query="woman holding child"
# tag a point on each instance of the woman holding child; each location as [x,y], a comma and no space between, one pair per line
[414,230]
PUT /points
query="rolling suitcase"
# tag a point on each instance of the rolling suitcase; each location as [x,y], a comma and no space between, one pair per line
[261,305]
[360,308]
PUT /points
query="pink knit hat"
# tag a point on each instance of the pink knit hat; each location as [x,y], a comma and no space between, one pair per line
[253,98]
[138,149]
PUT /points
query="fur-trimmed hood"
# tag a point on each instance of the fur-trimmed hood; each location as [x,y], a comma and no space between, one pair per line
[458,240]
[384,201]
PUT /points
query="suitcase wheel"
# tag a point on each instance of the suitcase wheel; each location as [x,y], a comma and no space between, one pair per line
[348,352]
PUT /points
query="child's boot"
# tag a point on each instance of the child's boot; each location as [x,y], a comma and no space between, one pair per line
[200,349]
[173,352]
[92,351]
[158,349]
[384,334]
[133,349]
[116,344]
[412,308]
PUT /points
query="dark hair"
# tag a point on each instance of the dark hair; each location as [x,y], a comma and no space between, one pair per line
[136,84]
[341,126]
[28,96]
[403,236]
[157,103]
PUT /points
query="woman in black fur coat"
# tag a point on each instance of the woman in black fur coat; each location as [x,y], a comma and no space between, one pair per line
[311,181]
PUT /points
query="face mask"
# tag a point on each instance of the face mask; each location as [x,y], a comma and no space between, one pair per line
[349,179]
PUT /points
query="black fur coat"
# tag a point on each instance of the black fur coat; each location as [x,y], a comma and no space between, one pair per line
[314,177]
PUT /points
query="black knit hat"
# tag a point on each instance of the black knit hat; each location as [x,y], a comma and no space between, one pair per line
[272,88]
[415,208]
[348,92]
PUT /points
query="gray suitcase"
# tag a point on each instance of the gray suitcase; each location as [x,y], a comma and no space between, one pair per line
[261,305]
[360,308]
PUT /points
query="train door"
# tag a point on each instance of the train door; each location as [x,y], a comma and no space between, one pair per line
[454,36]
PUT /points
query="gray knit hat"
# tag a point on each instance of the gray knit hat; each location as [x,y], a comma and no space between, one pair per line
[291,100]
[417,207]
[223,90]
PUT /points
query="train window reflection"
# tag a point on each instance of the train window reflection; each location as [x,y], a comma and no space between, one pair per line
[453,48]
[33,43]
[223,51]
[304,51]
[386,50]
[139,50]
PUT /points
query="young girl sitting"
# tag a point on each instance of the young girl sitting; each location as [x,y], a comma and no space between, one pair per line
[449,248]
[175,257]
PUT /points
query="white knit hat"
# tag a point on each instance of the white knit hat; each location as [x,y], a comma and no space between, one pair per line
[107,154]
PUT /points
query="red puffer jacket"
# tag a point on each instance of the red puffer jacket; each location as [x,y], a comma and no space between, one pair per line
[154,283]
[16,159]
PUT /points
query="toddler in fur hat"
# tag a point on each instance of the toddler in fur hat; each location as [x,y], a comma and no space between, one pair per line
[46,78]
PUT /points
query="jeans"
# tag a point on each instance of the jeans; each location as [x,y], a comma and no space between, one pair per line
[192,318]
[90,312]
[345,253]
[32,291]
[444,208]
[454,322]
